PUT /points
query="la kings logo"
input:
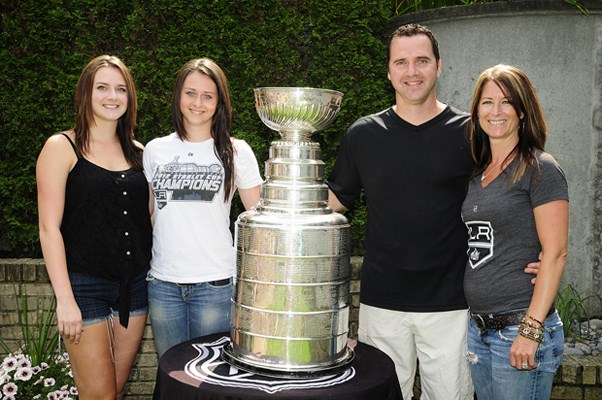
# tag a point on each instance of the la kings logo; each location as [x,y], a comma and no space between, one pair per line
[480,242]
[208,367]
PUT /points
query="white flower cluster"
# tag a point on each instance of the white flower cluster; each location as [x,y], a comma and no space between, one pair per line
[20,380]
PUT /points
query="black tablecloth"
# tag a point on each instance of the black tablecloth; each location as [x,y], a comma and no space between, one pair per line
[194,370]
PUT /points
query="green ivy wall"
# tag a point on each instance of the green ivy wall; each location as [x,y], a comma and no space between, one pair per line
[335,44]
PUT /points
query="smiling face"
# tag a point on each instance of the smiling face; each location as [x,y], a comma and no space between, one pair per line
[109,95]
[413,69]
[198,102]
[497,116]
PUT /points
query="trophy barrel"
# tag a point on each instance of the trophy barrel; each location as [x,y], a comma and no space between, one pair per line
[290,310]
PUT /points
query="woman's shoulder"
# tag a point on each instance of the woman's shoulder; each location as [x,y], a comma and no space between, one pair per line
[61,142]
[59,137]
[58,151]
[548,170]
[240,144]
[547,160]
[163,139]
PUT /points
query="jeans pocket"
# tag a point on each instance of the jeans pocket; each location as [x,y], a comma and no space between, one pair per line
[509,333]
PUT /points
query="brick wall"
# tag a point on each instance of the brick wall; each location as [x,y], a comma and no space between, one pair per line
[32,273]
[579,378]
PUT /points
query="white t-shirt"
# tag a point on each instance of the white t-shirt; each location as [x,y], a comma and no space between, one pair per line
[191,237]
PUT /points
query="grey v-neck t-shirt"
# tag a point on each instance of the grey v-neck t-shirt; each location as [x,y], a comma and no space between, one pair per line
[503,237]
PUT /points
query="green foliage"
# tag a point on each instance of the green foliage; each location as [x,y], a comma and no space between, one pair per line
[405,6]
[572,307]
[40,337]
[338,44]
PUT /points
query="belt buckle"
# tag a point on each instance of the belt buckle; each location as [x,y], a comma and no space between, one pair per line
[478,319]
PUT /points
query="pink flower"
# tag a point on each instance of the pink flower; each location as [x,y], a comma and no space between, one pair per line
[24,362]
[10,364]
[49,382]
[9,389]
[23,374]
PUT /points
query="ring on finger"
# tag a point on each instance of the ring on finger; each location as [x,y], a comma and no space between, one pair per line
[525,365]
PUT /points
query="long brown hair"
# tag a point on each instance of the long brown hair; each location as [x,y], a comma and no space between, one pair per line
[85,117]
[532,132]
[221,123]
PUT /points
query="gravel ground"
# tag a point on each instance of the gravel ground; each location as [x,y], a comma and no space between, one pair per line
[589,342]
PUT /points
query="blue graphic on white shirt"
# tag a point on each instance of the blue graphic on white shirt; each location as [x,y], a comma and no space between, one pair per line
[480,242]
[177,181]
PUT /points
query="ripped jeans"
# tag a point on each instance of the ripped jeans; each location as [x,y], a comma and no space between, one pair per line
[489,359]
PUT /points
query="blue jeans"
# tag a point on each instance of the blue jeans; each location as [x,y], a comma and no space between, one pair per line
[489,359]
[180,312]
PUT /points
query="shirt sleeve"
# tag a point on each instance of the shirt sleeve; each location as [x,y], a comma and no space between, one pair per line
[344,179]
[247,170]
[147,161]
[550,182]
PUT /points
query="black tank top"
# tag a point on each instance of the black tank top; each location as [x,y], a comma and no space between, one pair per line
[106,225]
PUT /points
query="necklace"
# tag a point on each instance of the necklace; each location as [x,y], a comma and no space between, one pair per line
[484,176]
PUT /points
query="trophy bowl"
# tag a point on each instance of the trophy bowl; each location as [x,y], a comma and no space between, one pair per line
[297,112]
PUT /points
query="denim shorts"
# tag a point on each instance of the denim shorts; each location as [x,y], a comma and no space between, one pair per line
[98,298]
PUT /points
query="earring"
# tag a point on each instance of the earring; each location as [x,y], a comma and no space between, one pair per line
[522,125]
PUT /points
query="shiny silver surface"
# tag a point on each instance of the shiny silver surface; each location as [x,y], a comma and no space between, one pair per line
[290,310]
[297,112]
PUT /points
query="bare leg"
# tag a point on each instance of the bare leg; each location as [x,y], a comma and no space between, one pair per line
[126,345]
[92,363]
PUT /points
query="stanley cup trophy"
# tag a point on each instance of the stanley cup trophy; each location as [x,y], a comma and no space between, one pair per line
[290,310]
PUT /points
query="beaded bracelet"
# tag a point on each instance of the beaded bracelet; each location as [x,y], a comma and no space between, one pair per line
[536,320]
[528,330]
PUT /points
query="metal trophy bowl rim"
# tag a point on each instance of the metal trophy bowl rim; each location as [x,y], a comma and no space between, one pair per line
[297,88]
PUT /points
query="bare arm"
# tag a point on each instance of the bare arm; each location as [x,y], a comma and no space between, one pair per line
[552,221]
[334,203]
[151,203]
[54,163]
[249,197]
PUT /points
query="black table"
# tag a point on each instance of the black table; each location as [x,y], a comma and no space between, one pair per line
[194,371]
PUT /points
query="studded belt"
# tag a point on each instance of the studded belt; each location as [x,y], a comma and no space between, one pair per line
[500,321]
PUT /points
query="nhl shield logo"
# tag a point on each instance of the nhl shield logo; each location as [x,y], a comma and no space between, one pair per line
[208,367]
[480,242]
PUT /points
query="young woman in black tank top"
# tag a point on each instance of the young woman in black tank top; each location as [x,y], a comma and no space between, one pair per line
[95,229]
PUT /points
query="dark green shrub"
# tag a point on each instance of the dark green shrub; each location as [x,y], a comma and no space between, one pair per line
[333,44]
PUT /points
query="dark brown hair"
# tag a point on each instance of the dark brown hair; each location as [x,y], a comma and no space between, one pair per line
[413,30]
[221,123]
[85,116]
[532,132]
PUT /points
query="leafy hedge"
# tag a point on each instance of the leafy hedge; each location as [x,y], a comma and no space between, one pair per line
[336,44]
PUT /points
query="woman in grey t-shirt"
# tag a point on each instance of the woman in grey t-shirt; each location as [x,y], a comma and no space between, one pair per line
[515,208]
